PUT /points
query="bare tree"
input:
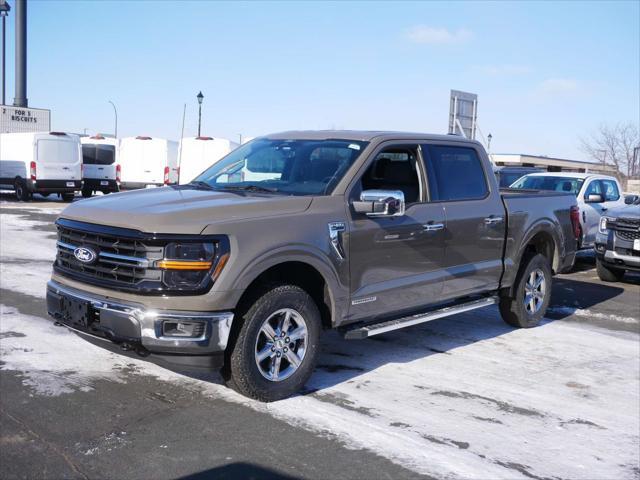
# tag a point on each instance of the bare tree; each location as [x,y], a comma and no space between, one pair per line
[614,144]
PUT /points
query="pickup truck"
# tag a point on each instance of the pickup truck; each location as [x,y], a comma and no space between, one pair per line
[363,232]
[618,241]
[595,194]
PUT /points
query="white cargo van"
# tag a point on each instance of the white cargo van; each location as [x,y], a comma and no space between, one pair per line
[100,161]
[147,162]
[42,162]
[199,153]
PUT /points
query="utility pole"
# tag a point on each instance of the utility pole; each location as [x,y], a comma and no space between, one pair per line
[4,12]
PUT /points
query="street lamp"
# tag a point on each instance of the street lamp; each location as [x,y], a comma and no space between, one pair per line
[200,97]
[4,12]
[115,112]
[489,137]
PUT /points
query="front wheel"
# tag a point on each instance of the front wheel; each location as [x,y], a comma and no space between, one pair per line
[275,350]
[532,293]
[607,274]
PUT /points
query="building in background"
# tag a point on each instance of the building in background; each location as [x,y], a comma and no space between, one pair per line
[551,164]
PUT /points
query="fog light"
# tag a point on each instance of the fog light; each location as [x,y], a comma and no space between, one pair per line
[600,247]
[182,328]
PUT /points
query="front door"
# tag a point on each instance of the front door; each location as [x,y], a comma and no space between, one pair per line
[591,212]
[395,262]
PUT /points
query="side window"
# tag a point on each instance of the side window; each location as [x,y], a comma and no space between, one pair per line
[611,193]
[594,188]
[454,173]
[395,168]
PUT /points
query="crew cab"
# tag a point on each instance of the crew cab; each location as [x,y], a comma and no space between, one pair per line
[595,194]
[363,232]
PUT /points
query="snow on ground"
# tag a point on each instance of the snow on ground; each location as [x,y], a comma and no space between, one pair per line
[464,396]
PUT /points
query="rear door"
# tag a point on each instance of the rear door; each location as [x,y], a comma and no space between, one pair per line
[396,263]
[474,218]
[58,158]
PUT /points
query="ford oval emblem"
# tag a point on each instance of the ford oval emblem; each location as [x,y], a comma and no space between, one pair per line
[85,254]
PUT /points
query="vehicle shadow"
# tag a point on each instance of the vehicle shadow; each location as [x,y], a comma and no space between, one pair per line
[343,360]
[237,470]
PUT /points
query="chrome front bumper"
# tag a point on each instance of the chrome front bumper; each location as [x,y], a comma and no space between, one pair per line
[621,260]
[137,328]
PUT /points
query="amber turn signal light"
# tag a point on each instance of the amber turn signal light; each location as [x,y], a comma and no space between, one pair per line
[183,265]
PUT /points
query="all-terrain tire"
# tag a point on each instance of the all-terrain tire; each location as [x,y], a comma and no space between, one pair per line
[22,193]
[242,371]
[608,274]
[517,310]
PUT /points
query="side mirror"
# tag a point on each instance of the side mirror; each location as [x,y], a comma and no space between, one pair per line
[631,199]
[594,198]
[380,203]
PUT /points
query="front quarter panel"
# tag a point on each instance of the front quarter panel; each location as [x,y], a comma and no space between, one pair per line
[259,244]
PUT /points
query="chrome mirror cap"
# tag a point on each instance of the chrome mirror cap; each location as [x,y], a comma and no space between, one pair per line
[381,203]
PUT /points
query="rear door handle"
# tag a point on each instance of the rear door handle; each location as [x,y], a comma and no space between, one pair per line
[433,227]
[493,220]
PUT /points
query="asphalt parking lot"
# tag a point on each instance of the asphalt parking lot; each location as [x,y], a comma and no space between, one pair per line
[460,397]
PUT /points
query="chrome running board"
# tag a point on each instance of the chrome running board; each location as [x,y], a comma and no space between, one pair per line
[362,332]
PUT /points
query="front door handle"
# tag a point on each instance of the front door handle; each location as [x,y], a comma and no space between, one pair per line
[493,220]
[433,227]
[604,209]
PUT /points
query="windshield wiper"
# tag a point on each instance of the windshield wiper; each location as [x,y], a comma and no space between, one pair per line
[201,184]
[250,188]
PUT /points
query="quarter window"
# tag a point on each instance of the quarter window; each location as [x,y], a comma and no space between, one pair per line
[454,173]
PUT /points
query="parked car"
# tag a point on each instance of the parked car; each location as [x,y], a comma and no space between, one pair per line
[350,234]
[508,175]
[595,193]
[101,170]
[618,242]
[148,162]
[199,153]
[44,163]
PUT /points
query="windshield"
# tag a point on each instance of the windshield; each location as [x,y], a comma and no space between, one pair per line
[289,167]
[557,184]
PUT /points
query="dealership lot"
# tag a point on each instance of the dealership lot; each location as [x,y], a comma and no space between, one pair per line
[465,396]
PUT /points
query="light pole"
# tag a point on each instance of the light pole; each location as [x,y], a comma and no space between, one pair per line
[200,97]
[4,12]
[489,137]
[115,112]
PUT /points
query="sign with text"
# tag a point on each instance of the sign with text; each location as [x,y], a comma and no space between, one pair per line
[22,119]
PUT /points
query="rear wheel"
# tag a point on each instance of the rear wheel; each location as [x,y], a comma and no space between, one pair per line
[276,346]
[22,193]
[87,192]
[608,274]
[67,197]
[532,292]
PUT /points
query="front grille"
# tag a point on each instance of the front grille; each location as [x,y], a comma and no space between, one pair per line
[120,261]
[626,228]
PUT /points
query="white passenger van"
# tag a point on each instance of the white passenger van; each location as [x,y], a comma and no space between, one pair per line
[148,162]
[100,161]
[199,153]
[41,162]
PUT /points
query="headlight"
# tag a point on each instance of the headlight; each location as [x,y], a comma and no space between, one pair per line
[186,265]
[602,227]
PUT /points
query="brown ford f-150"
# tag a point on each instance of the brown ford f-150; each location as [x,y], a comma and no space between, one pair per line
[296,232]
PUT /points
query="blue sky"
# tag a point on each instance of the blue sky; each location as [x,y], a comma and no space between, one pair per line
[546,73]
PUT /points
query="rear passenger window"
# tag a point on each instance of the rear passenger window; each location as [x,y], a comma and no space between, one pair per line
[454,173]
[611,193]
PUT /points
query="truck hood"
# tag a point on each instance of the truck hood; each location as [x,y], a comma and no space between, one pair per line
[628,211]
[180,209]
